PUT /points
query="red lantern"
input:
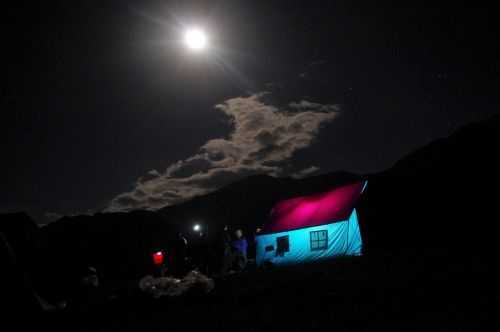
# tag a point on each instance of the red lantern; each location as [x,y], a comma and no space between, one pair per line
[158,258]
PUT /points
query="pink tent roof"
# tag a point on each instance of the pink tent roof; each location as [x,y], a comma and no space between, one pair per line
[314,210]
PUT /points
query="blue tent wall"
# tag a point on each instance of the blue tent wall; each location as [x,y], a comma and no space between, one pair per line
[344,239]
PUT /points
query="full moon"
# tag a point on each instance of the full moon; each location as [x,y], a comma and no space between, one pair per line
[195,39]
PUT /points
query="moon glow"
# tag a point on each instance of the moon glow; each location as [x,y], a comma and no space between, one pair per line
[195,39]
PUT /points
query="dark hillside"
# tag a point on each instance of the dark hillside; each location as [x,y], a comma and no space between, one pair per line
[429,227]
[441,196]
[378,293]
[247,203]
[120,244]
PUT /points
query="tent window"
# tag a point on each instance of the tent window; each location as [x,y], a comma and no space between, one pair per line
[319,240]
[282,245]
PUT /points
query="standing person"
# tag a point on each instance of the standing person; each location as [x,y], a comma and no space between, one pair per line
[224,247]
[240,246]
[226,241]
[179,260]
[252,246]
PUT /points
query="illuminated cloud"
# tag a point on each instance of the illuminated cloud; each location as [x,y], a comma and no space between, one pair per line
[263,141]
[305,172]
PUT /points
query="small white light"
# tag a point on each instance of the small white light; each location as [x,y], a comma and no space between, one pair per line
[195,39]
[196,227]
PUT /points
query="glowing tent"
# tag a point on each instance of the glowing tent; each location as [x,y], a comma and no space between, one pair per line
[312,228]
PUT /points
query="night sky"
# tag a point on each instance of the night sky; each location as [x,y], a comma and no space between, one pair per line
[104,108]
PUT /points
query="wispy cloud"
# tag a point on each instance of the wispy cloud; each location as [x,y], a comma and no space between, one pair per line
[305,172]
[263,141]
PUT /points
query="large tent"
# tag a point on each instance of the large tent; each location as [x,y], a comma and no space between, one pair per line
[314,227]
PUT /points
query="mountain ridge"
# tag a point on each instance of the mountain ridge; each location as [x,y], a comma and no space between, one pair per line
[428,198]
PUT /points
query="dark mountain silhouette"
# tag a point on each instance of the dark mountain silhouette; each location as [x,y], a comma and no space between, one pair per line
[22,234]
[247,203]
[119,245]
[19,255]
[440,197]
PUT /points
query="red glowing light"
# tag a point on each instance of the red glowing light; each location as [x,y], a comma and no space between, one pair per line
[158,258]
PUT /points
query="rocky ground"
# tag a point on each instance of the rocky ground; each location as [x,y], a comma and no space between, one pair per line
[431,292]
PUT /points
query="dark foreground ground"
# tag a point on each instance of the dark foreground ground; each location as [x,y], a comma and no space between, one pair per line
[424,292]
